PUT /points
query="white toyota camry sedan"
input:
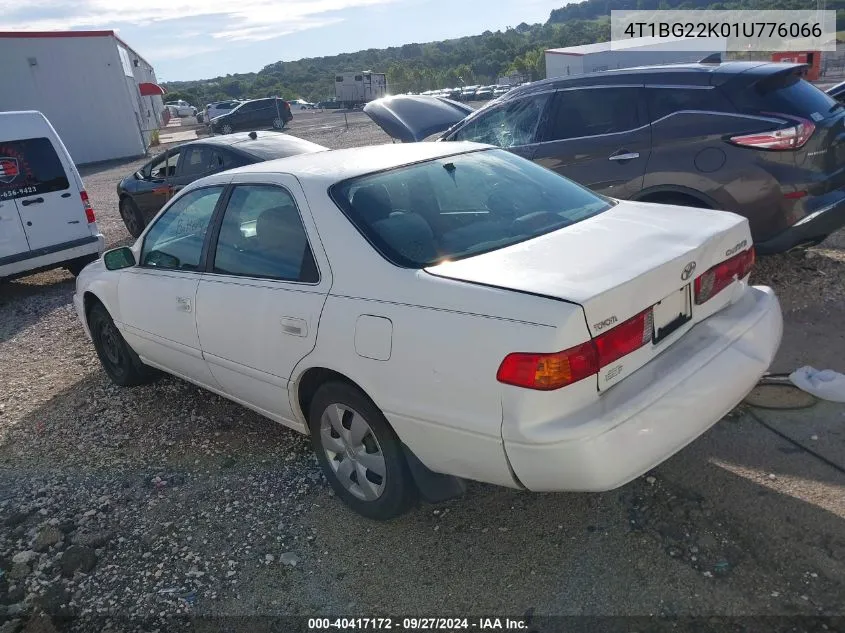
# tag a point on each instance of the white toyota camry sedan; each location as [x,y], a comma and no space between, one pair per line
[433,313]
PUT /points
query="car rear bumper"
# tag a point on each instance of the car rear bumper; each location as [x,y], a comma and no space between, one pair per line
[812,228]
[660,408]
[51,257]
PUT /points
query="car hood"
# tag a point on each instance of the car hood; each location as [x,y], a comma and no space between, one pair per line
[412,118]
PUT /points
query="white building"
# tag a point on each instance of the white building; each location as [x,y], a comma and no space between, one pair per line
[644,51]
[99,94]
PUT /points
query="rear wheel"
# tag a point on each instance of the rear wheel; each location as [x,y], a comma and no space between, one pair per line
[75,267]
[132,217]
[278,124]
[227,129]
[360,454]
[678,200]
[119,361]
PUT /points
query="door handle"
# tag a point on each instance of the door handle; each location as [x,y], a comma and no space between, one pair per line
[294,327]
[625,156]
[184,304]
[65,195]
[26,203]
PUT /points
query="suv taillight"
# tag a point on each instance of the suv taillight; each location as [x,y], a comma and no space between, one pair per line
[546,372]
[722,275]
[785,138]
[89,210]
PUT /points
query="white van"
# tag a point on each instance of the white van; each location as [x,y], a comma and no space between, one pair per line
[46,220]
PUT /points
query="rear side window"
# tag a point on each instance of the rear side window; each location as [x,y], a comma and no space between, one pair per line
[595,111]
[784,94]
[29,167]
[197,160]
[665,101]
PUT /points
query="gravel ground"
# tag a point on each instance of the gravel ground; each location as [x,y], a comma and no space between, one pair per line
[165,507]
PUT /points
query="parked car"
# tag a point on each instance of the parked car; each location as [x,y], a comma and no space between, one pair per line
[500,90]
[254,115]
[301,104]
[483,94]
[748,137]
[213,110]
[329,105]
[145,192]
[837,92]
[181,108]
[46,219]
[406,306]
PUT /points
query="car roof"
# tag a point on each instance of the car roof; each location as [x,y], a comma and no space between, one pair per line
[337,165]
[701,74]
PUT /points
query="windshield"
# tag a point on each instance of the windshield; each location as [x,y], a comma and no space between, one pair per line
[459,206]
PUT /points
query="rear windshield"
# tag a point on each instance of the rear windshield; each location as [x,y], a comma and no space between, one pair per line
[786,94]
[459,206]
[29,167]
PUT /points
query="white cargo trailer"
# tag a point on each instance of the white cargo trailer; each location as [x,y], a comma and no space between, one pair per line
[645,51]
[356,88]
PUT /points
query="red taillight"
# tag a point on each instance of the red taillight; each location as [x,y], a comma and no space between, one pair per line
[722,275]
[89,210]
[784,138]
[546,372]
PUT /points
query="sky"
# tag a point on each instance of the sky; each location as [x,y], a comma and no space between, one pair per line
[200,39]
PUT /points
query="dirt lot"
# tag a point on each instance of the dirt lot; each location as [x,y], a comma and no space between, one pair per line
[141,507]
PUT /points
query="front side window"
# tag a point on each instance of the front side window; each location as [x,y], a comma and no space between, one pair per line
[164,166]
[175,241]
[459,206]
[593,112]
[510,125]
[262,236]
[28,167]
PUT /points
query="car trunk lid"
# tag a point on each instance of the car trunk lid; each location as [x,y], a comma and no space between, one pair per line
[616,265]
[412,118]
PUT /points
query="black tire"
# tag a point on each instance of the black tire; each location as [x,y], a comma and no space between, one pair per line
[132,217]
[397,489]
[678,200]
[119,361]
[75,267]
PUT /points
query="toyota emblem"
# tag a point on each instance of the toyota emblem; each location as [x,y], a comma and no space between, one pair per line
[689,269]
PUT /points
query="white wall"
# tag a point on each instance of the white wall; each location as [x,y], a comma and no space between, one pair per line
[79,84]
[558,65]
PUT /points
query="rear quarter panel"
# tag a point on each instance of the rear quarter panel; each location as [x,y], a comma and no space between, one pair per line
[690,152]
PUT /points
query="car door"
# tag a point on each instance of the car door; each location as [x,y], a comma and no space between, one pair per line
[46,195]
[513,125]
[12,236]
[244,117]
[156,297]
[154,190]
[259,304]
[598,137]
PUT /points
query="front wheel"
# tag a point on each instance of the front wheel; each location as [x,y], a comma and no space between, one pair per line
[119,361]
[132,218]
[360,454]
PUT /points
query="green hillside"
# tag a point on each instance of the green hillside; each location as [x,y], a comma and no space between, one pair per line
[478,59]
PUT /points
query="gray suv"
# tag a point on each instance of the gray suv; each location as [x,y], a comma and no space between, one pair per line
[749,137]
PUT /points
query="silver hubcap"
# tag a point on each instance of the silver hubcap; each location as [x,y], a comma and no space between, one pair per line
[227,129]
[353,452]
[277,123]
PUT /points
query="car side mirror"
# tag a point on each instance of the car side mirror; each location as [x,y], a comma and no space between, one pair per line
[119,258]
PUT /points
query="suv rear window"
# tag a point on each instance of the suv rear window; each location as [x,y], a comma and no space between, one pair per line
[29,167]
[785,94]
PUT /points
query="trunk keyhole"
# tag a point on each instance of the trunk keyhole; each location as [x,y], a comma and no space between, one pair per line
[29,223]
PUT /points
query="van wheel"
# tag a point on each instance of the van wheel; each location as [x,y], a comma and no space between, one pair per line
[360,454]
[132,217]
[120,361]
[75,266]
